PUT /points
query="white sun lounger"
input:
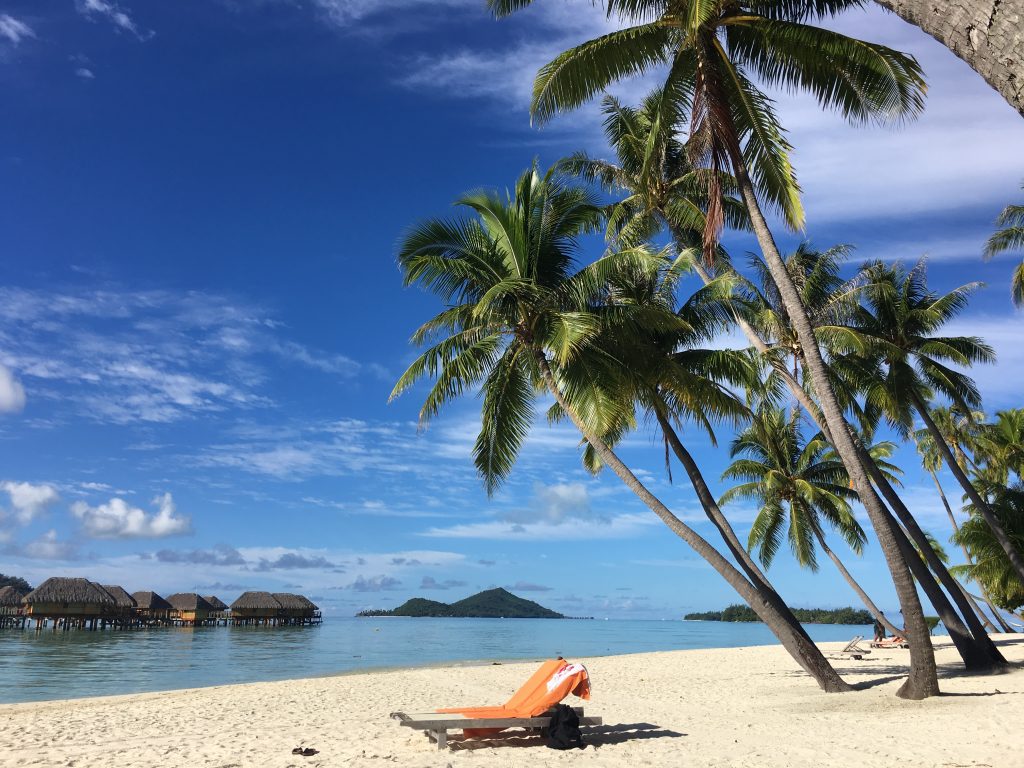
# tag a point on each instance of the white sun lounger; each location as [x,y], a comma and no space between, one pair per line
[437,724]
[853,649]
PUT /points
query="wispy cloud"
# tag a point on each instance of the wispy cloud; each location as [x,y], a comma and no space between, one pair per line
[117,519]
[115,14]
[617,527]
[13,30]
[222,554]
[430,583]
[49,546]
[374,584]
[147,356]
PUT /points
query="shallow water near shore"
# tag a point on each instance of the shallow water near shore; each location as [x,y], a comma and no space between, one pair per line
[38,666]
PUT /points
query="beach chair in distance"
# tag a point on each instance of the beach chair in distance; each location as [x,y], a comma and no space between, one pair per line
[852,650]
[530,707]
[896,641]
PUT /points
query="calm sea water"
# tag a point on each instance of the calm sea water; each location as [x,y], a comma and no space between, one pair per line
[55,665]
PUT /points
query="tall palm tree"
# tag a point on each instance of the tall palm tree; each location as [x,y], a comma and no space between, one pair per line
[800,490]
[1010,238]
[713,51]
[955,430]
[903,319]
[520,311]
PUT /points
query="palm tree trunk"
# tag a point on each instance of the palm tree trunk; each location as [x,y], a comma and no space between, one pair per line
[972,493]
[977,651]
[718,518]
[967,556]
[805,653]
[869,604]
[984,33]
[976,648]
[922,681]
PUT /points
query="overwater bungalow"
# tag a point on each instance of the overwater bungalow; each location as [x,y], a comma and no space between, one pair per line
[255,608]
[297,609]
[12,608]
[123,613]
[189,609]
[151,608]
[220,608]
[68,602]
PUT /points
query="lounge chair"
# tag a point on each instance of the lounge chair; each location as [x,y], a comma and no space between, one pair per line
[896,641]
[530,707]
[853,649]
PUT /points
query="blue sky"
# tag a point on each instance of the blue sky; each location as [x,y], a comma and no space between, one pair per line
[201,316]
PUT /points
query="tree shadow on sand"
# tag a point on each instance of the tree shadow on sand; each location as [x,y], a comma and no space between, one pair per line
[593,736]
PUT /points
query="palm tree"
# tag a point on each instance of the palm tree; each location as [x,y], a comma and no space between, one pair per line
[800,490]
[520,311]
[1010,238]
[902,317]
[956,431]
[1001,445]
[989,565]
[713,49]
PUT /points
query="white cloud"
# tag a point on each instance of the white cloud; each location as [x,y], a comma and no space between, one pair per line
[115,14]
[12,393]
[85,73]
[49,547]
[14,30]
[118,520]
[1000,384]
[556,504]
[28,500]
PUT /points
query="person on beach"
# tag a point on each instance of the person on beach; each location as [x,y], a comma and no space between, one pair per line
[879,630]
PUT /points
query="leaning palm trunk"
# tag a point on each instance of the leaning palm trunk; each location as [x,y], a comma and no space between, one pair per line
[972,493]
[967,556]
[868,602]
[984,33]
[922,681]
[976,649]
[718,518]
[804,652]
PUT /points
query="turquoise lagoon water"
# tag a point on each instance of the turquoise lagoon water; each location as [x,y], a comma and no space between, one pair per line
[45,665]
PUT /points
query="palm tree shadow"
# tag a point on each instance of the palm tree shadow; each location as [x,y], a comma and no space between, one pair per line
[594,736]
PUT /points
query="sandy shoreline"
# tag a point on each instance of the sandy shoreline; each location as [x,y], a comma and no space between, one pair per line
[717,707]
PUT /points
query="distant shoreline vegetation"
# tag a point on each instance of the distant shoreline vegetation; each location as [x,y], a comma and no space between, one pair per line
[739,613]
[490,604]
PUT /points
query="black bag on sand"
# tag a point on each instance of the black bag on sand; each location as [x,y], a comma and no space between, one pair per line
[564,729]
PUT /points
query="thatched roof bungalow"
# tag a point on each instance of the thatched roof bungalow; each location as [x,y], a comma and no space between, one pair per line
[256,605]
[11,601]
[218,604]
[124,603]
[295,606]
[150,605]
[67,597]
[189,607]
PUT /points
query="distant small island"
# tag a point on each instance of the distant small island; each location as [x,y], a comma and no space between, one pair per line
[803,615]
[491,604]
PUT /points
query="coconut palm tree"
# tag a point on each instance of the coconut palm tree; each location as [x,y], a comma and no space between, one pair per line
[520,310]
[902,317]
[989,565]
[713,51]
[801,490]
[1001,445]
[956,431]
[1010,238]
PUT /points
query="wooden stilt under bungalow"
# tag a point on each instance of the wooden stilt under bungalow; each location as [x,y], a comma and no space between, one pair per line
[297,609]
[190,610]
[12,608]
[68,602]
[123,614]
[151,609]
[255,608]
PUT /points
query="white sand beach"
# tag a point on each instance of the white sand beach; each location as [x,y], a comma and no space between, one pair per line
[721,707]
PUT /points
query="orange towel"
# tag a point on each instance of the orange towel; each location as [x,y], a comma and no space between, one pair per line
[550,684]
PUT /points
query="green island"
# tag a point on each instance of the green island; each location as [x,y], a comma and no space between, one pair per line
[495,603]
[803,615]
